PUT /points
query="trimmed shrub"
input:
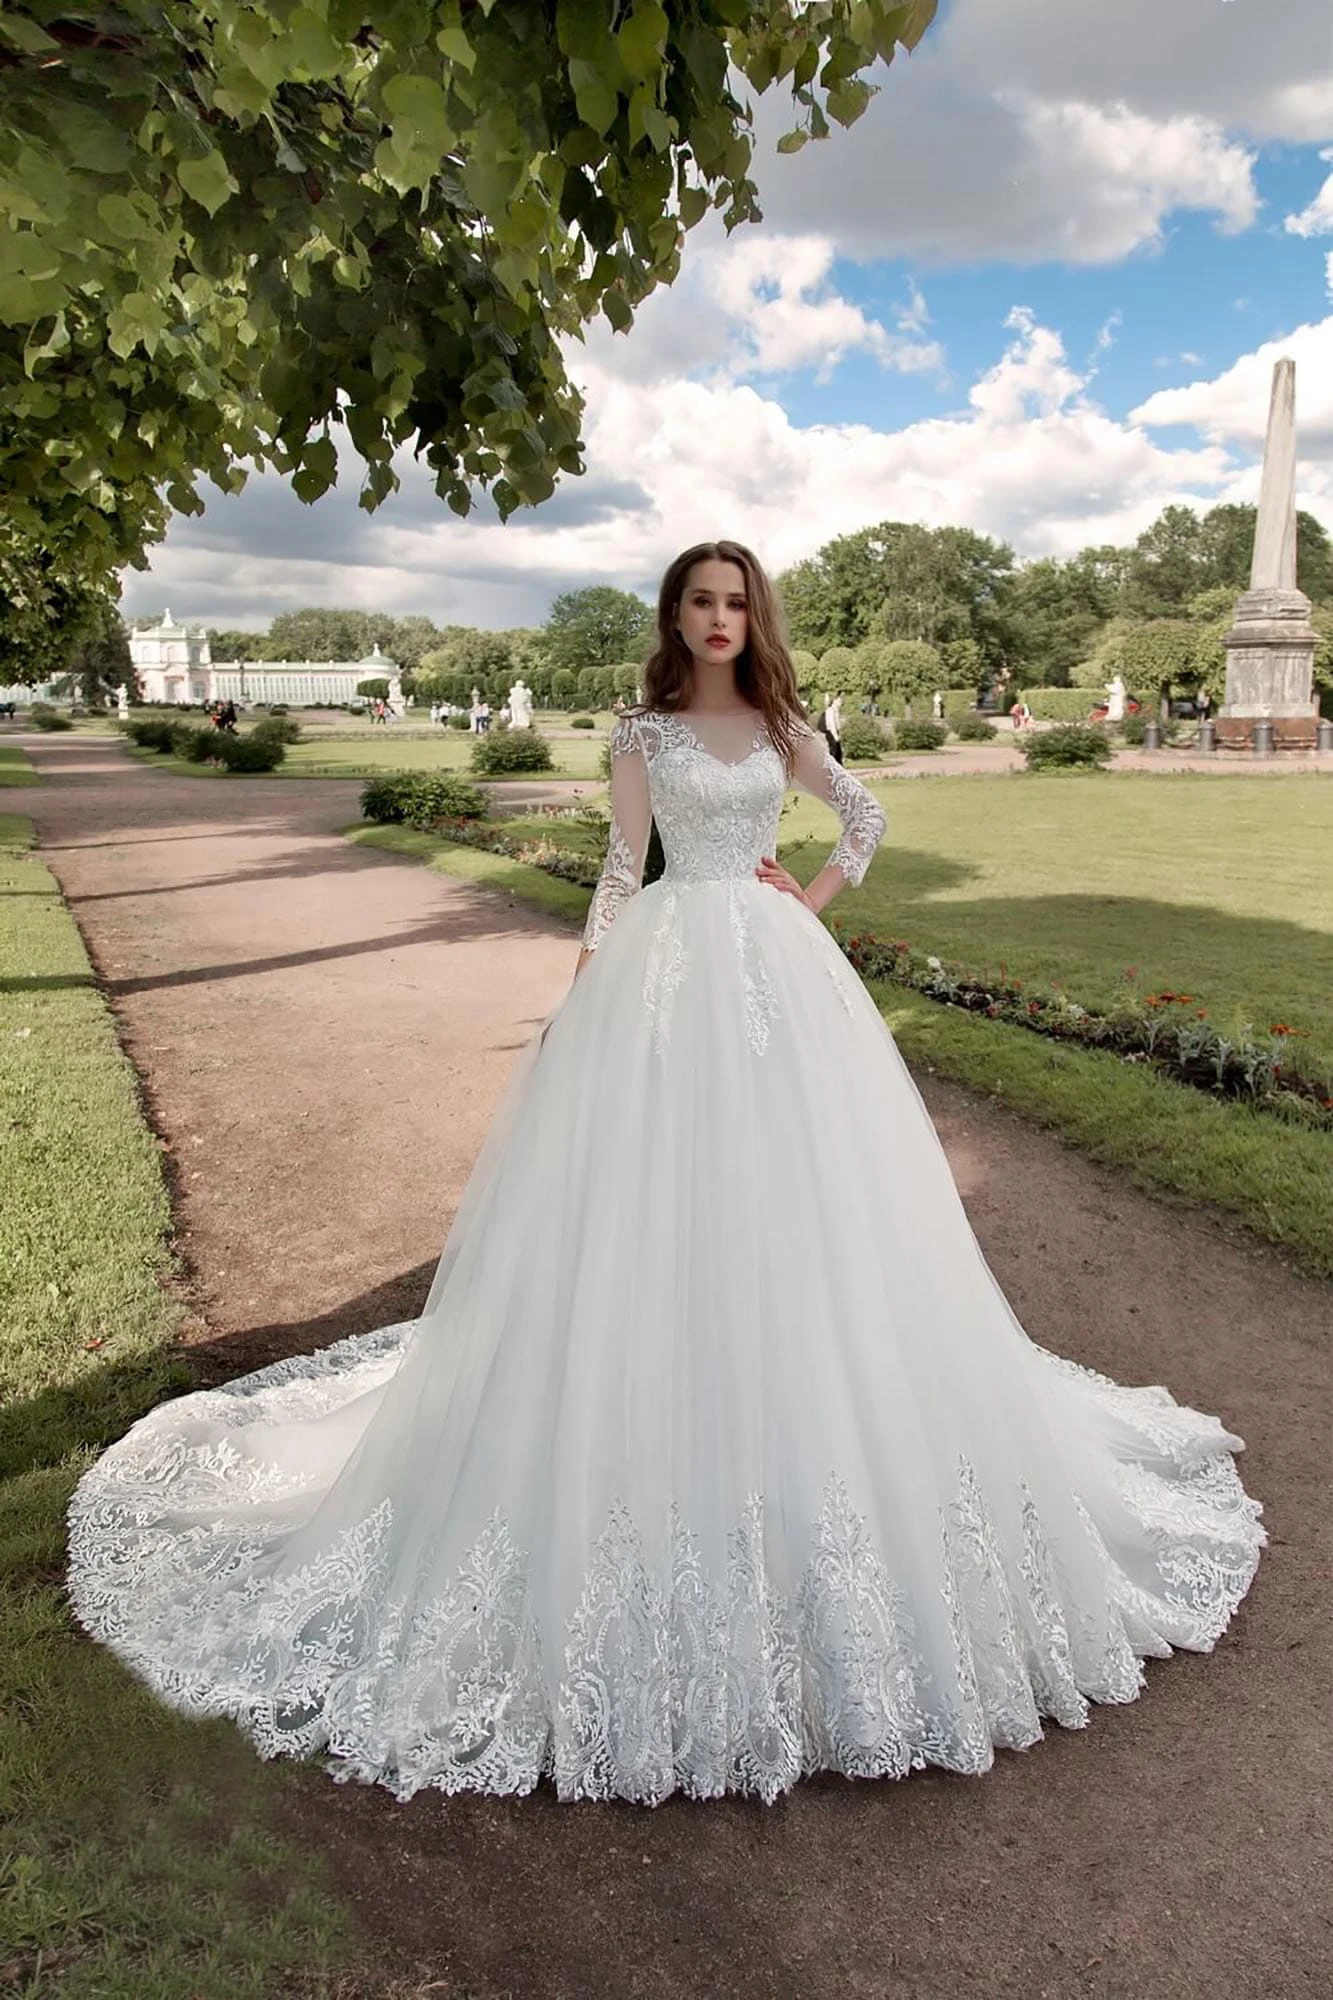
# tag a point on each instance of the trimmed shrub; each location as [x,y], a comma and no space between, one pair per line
[863,736]
[1069,743]
[196,745]
[974,728]
[420,798]
[920,735]
[151,732]
[582,722]
[1058,704]
[246,753]
[511,750]
[459,721]
[42,716]
[279,727]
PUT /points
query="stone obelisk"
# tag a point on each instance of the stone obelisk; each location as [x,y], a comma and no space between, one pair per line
[1271,646]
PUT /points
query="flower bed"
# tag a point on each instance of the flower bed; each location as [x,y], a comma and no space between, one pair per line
[1165,1029]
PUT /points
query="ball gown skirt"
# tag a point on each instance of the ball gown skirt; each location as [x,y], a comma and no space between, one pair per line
[717,1455]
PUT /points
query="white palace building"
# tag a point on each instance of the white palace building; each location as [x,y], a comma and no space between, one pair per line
[174,664]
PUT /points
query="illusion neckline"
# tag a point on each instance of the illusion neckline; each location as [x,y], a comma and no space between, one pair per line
[758,738]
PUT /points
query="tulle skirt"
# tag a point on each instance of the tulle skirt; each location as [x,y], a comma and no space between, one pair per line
[716,1457]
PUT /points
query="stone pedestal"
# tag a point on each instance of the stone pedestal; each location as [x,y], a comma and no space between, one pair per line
[1270,655]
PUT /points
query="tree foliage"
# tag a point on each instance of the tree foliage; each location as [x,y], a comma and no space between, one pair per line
[597,627]
[236,232]
[899,580]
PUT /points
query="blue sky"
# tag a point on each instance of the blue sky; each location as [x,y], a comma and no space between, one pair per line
[1037,290]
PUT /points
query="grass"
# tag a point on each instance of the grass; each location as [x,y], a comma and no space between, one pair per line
[1217,886]
[140,1860]
[362,753]
[15,769]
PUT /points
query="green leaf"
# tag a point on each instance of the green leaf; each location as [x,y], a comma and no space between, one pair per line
[26,35]
[849,100]
[583,28]
[618,310]
[641,41]
[792,142]
[597,101]
[208,181]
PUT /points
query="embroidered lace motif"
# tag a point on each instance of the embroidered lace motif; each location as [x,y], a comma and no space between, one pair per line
[716,816]
[665,1678]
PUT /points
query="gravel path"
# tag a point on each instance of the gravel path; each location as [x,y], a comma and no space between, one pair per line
[324,1032]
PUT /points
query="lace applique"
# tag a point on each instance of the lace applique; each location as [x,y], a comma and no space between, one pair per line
[863,823]
[664,969]
[673,1678]
[760,1003]
[618,881]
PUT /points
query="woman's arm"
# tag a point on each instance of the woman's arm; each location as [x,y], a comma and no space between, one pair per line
[627,842]
[863,818]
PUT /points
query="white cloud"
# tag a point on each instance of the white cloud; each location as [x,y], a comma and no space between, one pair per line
[1030,458]
[1316,218]
[761,303]
[1232,409]
[1026,130]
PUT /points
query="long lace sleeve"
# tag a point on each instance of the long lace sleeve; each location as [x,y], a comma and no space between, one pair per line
[863,817]
[631,823]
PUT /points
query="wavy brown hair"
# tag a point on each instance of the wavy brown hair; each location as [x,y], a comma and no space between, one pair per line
[764,672]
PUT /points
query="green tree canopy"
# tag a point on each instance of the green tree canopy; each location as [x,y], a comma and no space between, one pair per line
[900,580]
[236,231]
[598,627]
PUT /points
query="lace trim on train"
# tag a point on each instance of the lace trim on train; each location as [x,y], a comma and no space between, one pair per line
[669,1679]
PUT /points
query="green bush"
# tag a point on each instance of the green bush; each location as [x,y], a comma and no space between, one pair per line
[920,735]
[974,728]
[582,722]
[1058,704]
[151,732]
[864,736]
[420,798]
[42,716]
[188,740]
[959,702]
[459,721]
[511,750]
[1069,743]
[246,753]
[278,726]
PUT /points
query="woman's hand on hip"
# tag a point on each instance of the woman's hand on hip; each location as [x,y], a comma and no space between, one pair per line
[771,871]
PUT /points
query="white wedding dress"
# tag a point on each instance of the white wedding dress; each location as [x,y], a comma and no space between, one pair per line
[717,1455]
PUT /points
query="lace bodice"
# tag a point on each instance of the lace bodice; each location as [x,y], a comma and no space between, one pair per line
[716,811]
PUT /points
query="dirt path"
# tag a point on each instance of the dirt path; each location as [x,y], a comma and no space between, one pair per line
[324,1032]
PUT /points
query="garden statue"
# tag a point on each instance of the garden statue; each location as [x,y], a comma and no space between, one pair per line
[397,704]
[937,706]
[123,703]
[475,710]
[1115,699]
[520,705]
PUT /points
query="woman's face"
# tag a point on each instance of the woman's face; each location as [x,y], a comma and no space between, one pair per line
[713,618]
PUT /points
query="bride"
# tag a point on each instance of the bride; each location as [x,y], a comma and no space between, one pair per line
[740,1465]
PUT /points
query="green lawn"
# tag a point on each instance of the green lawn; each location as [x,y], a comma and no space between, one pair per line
[15,768]
[1216,886]
[337,756]
[138,1861]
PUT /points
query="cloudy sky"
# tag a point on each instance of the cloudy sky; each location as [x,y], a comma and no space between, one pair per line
[1037,290]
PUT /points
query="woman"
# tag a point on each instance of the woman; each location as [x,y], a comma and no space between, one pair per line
[743,1467]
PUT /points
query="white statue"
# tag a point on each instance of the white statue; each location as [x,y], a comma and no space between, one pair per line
[123,702]
[396,704]
[520,705]
[937,706]
[1115,699]
[474,713]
